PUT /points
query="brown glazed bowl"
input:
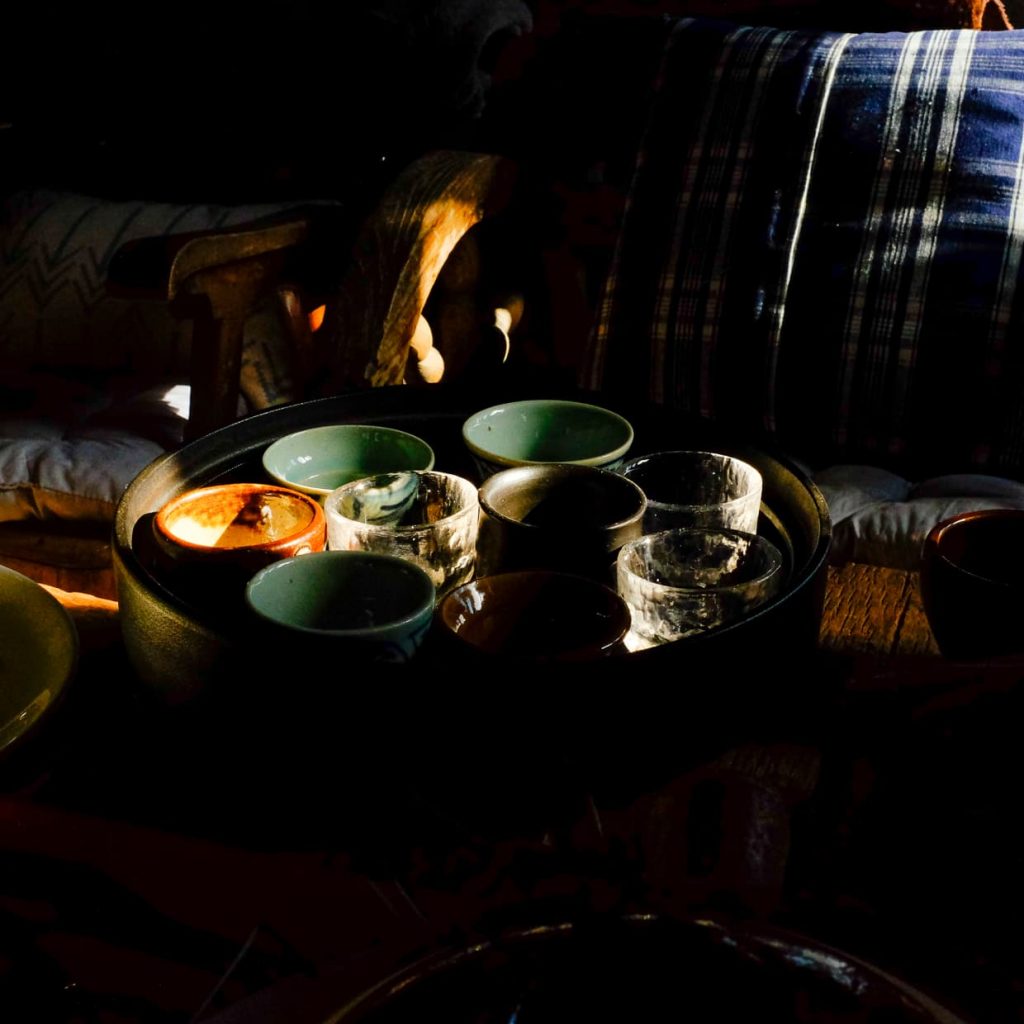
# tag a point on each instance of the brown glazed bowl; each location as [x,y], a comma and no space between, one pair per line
[209,541]
[534,615]
[972,583]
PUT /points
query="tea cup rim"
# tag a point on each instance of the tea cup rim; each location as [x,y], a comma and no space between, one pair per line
[777,560]
[426,605]
[934,537]
[656,505]
[333,497]
[597,460]
[325,430]
[312,525]
[565,469]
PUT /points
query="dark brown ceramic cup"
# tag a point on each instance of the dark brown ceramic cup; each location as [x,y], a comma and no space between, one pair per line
[972,583]
[534,616]
[564,518]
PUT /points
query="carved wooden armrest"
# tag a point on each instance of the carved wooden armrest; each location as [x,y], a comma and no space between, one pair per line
[216,279]
[397,257]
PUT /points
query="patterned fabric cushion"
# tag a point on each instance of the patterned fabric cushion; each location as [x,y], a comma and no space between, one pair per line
[70,446]
[882,519]
[55,249]
[823,241]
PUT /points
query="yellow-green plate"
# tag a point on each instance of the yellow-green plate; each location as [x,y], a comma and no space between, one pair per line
[38,654]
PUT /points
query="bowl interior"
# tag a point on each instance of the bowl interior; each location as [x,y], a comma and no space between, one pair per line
[234,516]
[986,545]
[552,496]
[340,592]
[693,479]
[535,614]
[38,654]
[319,459]
[548,431]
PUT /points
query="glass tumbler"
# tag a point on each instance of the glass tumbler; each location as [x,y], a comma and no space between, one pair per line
[697,490]
[425,517]
[681,582]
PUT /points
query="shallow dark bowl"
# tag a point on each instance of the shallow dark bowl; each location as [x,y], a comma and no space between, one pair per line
[181,652]
[972,583]
[534,616]
[641,969]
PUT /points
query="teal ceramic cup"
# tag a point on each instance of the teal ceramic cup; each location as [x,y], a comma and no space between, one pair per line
[539,431]
[320,459]
[331,607]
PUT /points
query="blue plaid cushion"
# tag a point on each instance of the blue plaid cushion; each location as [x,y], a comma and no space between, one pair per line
[823,240]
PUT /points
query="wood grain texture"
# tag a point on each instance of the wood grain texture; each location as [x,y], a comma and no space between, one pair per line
[97,582]
[398,256]
[872,609]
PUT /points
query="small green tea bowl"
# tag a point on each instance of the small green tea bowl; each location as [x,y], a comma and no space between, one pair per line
[544,431]
[320,609]
[319,460]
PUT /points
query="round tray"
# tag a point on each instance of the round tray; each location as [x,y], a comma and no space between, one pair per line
[180,650]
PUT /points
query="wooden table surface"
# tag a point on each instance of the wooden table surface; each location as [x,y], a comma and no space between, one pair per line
[875,610]
[875,839]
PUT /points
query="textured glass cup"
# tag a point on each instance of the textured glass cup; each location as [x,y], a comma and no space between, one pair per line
[681,582]
[424,517]
[696,490]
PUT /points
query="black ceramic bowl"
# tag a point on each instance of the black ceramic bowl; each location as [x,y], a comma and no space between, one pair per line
[644,969]
[181,651]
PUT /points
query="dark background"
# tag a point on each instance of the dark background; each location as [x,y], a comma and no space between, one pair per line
[234,101]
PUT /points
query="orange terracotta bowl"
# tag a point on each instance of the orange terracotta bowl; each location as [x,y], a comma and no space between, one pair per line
[214,537]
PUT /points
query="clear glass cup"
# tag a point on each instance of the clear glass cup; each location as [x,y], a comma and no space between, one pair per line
[696,490]
[681,582]
[425,517]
